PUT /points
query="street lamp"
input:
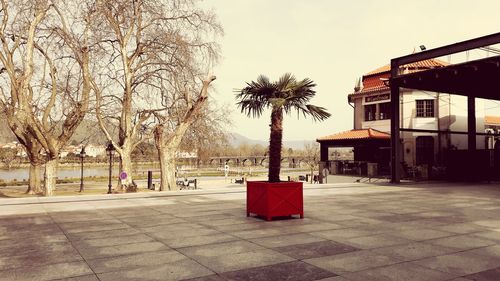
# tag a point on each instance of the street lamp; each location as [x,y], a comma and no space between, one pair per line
[109,150]
[82,155]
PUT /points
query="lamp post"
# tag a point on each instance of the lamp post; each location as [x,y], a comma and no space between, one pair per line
[109,150]
[82,155]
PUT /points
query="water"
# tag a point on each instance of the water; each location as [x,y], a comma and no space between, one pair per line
[63,172]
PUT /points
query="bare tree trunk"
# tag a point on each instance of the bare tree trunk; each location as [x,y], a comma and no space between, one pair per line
[126,167]
[167,168]
[50,177]
[34,185]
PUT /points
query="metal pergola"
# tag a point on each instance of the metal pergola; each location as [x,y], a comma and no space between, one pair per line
[474,79]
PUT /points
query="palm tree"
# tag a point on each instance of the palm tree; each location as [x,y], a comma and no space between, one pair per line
[285,95]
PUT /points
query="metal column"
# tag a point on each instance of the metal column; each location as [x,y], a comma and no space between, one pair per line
[395,125]
[471,122]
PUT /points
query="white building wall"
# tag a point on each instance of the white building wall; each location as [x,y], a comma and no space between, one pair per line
[450,114]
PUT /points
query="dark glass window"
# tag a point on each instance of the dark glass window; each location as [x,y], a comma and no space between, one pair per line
[424,150]
[425,108]
[370,111]
[384,110]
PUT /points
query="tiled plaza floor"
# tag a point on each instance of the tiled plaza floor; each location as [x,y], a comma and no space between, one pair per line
[350,232]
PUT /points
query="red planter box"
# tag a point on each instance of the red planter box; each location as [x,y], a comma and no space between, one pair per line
[275,199]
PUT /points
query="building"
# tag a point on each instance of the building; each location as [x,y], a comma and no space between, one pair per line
[422,115]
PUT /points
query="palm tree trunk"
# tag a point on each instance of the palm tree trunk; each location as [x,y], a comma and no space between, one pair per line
[275,145]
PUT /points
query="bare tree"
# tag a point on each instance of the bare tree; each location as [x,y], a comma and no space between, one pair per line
[310,155]
[48,95]
[168,141]
[148,44]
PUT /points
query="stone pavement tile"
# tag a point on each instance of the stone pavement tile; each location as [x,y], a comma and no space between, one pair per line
[91,277]
[33,248]
[286,240]
[398,272]
[351,262]
[205,218]
[64,217]
[258,233]
[488,275]
[491,235]
[243,260]
[241,226]
[30,238]
[491,251]
[315,249]
[199,231]
[150,222]
[46,272]
[136,260]
[420,234]
[359,222]
[290,271]
[335,278]
[414,251]
[226,248]
[214,277]
[118,250]
[25,219]
[459,264]
[312,227]
[112,241]
[182,269]
[174,227]
[488,223]
[116,233]
[461,242]
[374,241]
[35,256]
[344,233]
[175,241]
[399,218]
[461,228]
[94,225]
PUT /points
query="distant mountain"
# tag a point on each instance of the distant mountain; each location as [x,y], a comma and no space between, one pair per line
[238,139]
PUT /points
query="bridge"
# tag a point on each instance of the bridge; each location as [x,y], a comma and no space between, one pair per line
[293,161]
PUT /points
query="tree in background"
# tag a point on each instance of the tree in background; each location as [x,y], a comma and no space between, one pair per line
[8,156]
[45,93]
[154,51]
[283,96]
[310,155]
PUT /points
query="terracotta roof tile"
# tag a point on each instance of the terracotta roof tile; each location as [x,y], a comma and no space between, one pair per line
[356,135]
[492,120]
[373,80]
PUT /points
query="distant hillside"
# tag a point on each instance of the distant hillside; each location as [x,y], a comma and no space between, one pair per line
[238,139]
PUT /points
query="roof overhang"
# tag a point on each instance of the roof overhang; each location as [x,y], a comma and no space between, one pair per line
[478,78]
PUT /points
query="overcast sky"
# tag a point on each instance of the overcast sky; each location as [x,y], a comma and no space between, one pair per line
[333,43]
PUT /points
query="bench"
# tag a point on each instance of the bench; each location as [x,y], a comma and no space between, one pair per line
[187,184]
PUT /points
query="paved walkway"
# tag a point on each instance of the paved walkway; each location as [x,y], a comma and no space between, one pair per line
[351,231]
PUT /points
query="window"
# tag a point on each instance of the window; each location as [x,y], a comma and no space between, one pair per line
[384,110]
[424,150]
[425,108]
[370,111]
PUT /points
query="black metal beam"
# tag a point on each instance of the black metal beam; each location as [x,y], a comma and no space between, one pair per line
[446,132]
[447,50]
